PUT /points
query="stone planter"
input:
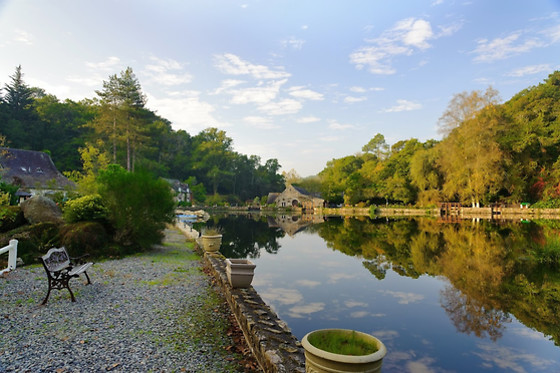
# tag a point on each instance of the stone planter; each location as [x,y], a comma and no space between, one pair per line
[317,360]
[211,243]
[240,272]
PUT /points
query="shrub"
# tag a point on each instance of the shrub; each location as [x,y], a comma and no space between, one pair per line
[86,208]
[33,240]
[11,217]
[139,205]
[86,237]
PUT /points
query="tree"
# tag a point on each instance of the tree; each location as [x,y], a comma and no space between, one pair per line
[377,146]
[18,95]
[464,106]
[120,114]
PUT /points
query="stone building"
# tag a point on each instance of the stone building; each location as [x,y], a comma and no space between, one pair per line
[294,196]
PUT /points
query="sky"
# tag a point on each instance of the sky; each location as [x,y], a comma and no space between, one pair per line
[302,81]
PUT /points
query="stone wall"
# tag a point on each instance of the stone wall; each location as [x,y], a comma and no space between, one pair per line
[275,347]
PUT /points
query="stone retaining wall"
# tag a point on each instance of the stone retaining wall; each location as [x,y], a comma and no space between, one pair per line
[275,347]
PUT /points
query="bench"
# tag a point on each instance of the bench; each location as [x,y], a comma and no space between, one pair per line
[60,270]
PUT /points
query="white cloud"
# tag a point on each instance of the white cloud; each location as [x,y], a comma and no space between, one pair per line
[302,92]
[502,48]
[159,72]
[406,36]
[403,105]
[227,85]
[261,94]
[90,81]
[404,298]
[23,37]
[335,277]
[308,283]
[282,107]
[511,359]
[282,295]
[260,122]
[358,89]
[416,32]
[310,119]
[353,303]
[306,309]
[108,65]
[231,64]
[293,43]
[350,99]
[334,125]
[530,70]
[186,111]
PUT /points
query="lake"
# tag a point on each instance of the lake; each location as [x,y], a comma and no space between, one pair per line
[443,297]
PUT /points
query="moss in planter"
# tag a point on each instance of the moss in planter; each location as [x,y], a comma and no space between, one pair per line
[341,343]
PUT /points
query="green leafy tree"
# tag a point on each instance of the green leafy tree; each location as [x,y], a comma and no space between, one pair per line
[139,205]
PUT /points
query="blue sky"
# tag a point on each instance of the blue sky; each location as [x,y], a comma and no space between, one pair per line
[300,81]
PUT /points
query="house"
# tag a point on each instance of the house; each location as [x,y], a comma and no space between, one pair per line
[182,191]
[294,196]
[33,171]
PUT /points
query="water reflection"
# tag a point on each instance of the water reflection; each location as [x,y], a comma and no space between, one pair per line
[489,277]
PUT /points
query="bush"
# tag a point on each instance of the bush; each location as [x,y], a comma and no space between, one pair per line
[86,208]
[85,238]
[139,205]
[33,240]
[11,217]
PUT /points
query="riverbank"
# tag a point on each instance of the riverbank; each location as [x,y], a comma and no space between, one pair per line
[155,311]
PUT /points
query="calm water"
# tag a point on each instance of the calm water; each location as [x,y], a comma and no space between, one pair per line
[443,297]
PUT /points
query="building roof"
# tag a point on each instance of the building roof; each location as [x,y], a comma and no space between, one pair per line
[31,169]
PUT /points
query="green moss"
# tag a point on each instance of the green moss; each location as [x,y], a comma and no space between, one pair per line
[342,343]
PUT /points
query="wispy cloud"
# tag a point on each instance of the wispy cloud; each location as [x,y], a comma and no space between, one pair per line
[260,122]
[403,105]
[404,38]
[293,43]
[306,309]
[308,283]
[231,64]
[511,359]
[351,99]
[404,298]
[282,295]
[23,37]
[310,119]
[334,125]
[108,65]
[304,93]
[261,94]
[530,70]
[185,110]
[167,72]
[282,107]
[508,46]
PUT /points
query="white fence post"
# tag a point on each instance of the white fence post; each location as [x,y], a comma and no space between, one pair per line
[12,255]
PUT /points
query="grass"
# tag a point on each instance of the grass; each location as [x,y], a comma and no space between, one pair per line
[342,343]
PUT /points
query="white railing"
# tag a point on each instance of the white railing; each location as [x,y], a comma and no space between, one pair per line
[11,249]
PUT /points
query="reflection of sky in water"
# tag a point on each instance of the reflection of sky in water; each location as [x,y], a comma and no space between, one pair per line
[311,286]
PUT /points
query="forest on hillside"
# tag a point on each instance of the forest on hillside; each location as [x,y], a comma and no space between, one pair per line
[116,127]
[490,152]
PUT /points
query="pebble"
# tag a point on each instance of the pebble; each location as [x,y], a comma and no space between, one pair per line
[128,320]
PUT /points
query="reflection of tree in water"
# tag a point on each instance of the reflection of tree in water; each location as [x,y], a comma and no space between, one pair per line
[470,316]
[494,270]
[245,237]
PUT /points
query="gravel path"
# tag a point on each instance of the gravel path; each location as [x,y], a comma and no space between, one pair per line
[151,312]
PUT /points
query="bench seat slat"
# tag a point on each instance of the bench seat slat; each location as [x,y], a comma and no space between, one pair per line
[80,269]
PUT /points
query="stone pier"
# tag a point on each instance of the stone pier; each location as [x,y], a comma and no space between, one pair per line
[275,347]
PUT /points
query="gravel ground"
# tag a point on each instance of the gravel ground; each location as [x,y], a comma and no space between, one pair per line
[151,312]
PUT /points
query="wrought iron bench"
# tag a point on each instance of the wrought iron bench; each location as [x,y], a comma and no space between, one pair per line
[60,270]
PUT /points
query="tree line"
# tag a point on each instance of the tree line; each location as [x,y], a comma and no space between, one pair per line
[116,127]
[490,152]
